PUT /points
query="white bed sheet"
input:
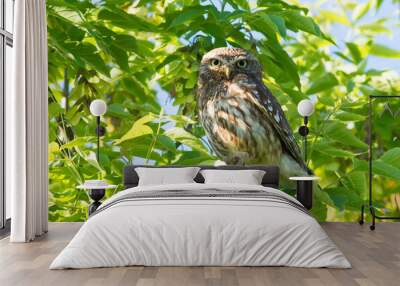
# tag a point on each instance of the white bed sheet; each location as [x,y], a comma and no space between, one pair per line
[200,232]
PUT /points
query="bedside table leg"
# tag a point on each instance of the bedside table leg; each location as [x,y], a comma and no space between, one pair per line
[304,193]
[96,195]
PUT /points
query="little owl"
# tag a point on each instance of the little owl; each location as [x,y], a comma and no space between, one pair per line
[243,121]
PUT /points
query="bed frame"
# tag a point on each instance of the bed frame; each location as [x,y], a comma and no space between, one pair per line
[271,177]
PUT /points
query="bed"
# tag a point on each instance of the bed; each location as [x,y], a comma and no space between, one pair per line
[198,224]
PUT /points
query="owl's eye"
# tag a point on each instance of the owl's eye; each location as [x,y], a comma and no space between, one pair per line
[241,64]
[215,62]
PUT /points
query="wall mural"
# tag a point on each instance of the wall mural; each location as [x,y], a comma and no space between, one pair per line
[161,65]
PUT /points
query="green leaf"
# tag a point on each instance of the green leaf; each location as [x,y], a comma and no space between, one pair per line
[281,5]
[53,148]
[181,120]
[303,23]
[349,116]
[120,18]
[283,61]
[167,60]
[139,128]
[383,51]
[82,6]
[374,28]
[355,52]
[339,197]
[346,198]
[378,4]
[325,82]
[165,143]
[117,110]
[78,142]
[322,196]
[279,23]
[261,22]
[357,182]
[337,131]
[385,169]
[192,158]
[136,149]
[319,212]
[181,135]
[73,217]
[361,10]
[88,53]
[54,109]
[334,16]
[73,171]
[379,167]
[126,42]
[134,87]
[92,160]
[120,57]
[360,165]
[332,151]
[187,14]
[392,157]
[343,56]
[144,48]
[242,3]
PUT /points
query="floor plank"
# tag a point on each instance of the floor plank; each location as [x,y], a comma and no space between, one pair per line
[375,257]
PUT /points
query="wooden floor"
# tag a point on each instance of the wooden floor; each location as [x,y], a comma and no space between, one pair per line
[375,257]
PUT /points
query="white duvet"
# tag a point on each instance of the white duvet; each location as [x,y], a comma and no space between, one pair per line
[200,231]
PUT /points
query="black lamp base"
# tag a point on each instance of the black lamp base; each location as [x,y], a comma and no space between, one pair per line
[96,195]
[100,131]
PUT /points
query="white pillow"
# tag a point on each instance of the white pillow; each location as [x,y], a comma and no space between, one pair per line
[166,176]
[248,177]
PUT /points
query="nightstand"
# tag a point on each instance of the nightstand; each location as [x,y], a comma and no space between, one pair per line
[304,191]
[96,193]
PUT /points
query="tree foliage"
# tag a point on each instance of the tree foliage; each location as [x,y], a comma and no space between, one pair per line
[135,56]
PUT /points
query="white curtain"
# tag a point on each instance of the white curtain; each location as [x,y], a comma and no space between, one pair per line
[27,124]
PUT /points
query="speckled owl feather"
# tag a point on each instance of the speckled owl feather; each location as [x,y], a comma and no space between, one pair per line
[244,122]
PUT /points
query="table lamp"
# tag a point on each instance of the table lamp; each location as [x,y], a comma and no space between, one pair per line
[305,109]
[98,107]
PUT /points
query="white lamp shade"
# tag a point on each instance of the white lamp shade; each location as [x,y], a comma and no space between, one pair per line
[305,107]
[98,107]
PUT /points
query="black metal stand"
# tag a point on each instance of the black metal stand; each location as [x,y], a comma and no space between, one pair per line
[370,205]
[96,195]
[303,131]
[100,131]
[304,193]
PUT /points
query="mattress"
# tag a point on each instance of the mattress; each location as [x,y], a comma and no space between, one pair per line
[201,225]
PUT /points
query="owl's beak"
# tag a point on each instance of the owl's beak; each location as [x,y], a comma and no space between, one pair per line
[228,72]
